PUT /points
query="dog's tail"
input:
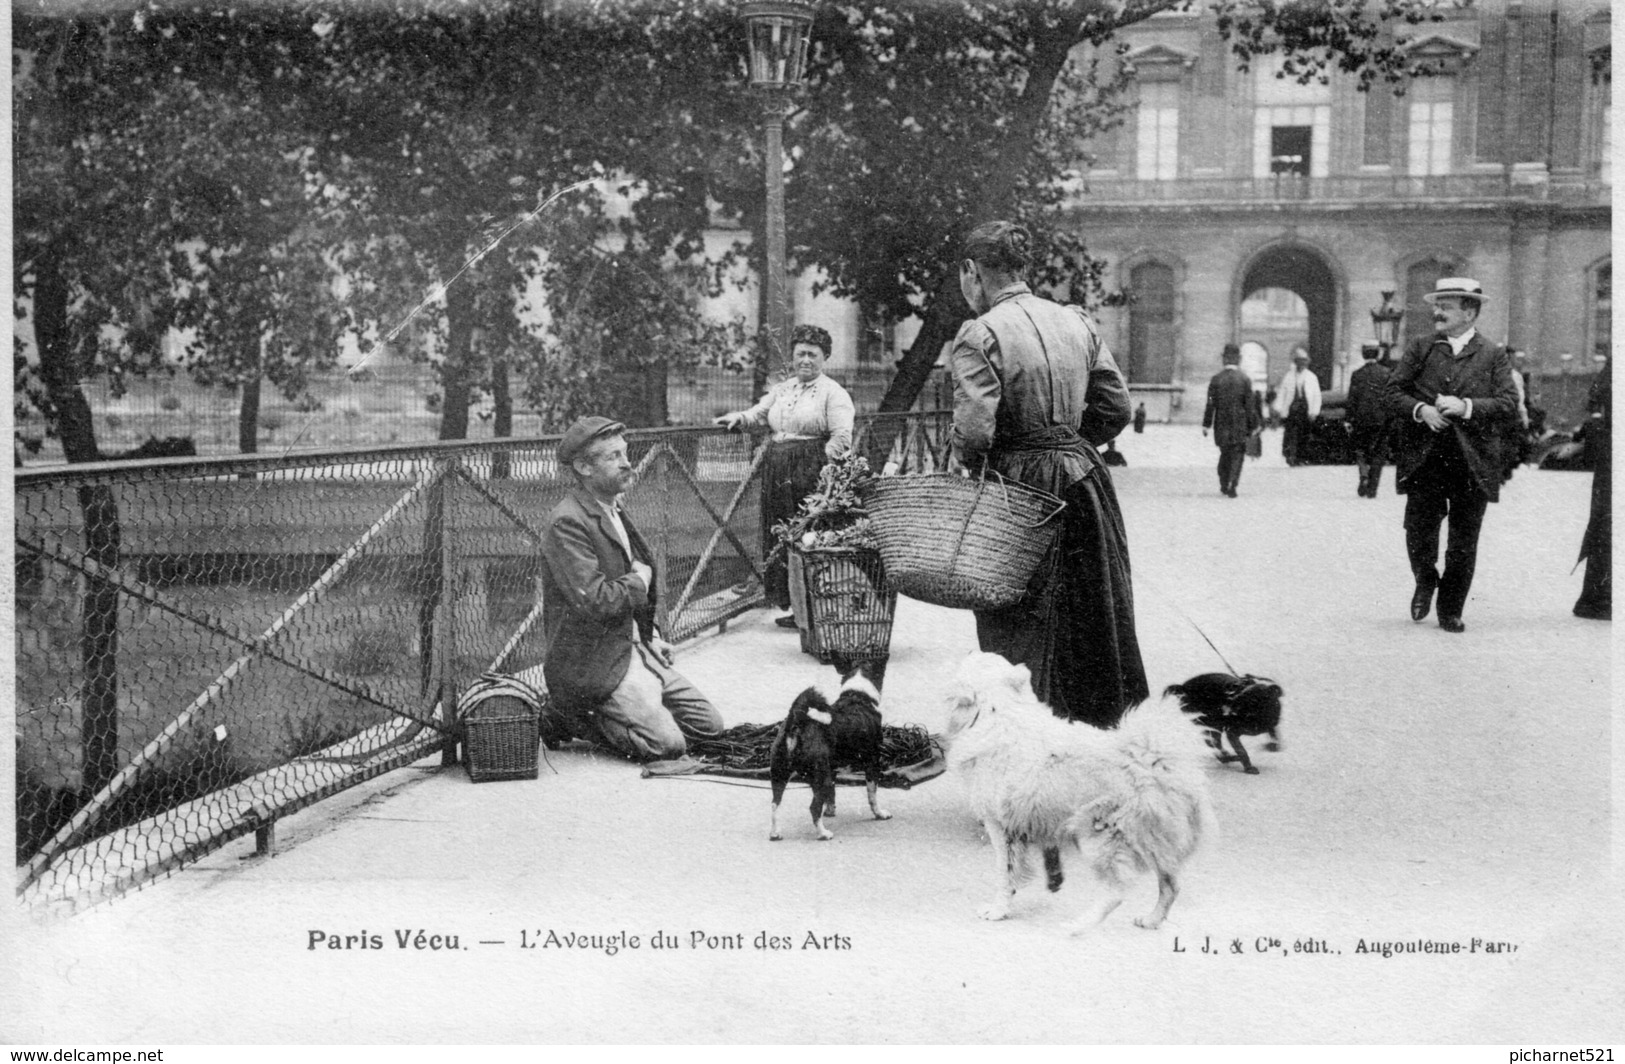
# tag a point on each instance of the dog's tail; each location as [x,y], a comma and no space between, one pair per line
[809,704]
[1161,810]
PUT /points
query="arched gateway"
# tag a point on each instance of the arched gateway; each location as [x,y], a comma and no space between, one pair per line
[1305,273]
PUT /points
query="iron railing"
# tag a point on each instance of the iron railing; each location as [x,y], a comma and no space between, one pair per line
[204,646]
[1295,188]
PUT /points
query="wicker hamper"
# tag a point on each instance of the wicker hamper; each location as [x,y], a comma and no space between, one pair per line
[501,731]
[963,542]
[843,603]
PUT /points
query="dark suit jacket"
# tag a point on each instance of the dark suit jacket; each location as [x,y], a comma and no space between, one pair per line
[1483,374]
[1368,410]
[591,598]
[1231,412]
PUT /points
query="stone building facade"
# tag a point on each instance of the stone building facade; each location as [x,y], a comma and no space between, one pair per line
[1238,206]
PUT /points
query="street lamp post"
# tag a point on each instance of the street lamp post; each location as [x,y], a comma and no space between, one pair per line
[777,32]
[1385,324]
[1565,360]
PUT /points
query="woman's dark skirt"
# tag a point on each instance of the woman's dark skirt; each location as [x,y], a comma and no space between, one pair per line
[1075,629]
[789,475]
[1597,547]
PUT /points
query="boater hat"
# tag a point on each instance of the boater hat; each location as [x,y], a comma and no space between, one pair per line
[578,436]
[1462,287]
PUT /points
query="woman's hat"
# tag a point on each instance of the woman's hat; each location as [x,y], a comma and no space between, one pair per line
[1461,287]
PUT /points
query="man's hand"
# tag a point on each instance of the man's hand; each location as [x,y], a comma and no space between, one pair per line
[1433,419]
[663,650]
[1451,406]
[1204,434]
[644,573]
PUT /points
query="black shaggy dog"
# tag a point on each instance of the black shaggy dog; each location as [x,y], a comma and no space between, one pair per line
[1232,706]
[819,736]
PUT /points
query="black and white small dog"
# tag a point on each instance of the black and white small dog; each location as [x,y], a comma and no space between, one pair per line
[1232,706]
[820,736]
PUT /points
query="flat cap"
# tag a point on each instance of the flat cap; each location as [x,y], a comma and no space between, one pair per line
[578,436]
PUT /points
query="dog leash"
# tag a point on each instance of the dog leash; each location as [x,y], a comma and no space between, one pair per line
[1152,586]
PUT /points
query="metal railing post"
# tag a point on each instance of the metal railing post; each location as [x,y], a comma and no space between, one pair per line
[446,618]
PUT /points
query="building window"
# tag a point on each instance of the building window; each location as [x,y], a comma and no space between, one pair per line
[1151,325]
[877,337]
[1432,125]
[1421,279]
[1291,140]
[1602,310]
[1291,124]
[1605,135]
[1157,149]
[1290,149]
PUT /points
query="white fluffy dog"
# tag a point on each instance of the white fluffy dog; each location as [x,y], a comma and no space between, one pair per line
[1132,799]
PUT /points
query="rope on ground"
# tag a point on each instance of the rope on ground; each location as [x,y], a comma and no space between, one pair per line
[909,755]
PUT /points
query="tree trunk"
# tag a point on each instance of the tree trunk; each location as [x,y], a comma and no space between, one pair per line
[69,412]
[655,391]
[248,416]
[70,415]
[501,416]
[455,372]
[946,309]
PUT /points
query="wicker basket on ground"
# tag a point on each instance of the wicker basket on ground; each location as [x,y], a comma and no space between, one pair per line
[842,603]
[500,718]
[961,542]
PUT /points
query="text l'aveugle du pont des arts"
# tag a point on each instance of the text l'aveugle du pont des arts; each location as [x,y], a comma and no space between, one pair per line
[610,943]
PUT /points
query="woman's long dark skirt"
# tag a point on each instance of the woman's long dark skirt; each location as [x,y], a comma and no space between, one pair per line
[789,474]
[1075,629]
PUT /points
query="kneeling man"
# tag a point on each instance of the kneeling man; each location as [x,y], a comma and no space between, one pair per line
[608,671]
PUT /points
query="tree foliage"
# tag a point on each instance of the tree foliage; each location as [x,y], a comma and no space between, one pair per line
[213,170]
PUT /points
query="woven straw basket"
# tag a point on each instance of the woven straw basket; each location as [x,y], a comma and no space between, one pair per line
[962,542]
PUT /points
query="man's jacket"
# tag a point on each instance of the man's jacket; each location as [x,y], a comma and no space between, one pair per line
[594,606]
[1482,373]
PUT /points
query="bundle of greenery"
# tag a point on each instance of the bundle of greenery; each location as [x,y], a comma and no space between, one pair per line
[832,517]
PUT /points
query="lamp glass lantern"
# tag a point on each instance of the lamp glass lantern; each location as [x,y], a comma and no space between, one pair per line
[1385,322]
[777,32]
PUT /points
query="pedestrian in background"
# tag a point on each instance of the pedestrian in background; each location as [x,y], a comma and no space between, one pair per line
[1297,400]
[1453,395]
[1369,420]
[1517,431]
[1036,391]
[1232,414]
[1597,548]
[1139,418]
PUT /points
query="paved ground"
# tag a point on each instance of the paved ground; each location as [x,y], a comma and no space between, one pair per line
[1432,787]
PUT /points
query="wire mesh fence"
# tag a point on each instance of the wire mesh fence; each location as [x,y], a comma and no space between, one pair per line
[204,646]
[382,406]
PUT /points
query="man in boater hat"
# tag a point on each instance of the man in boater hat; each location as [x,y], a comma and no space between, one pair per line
[1453,395]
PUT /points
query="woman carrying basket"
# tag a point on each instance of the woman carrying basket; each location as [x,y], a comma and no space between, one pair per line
[1035,392]
[811,418]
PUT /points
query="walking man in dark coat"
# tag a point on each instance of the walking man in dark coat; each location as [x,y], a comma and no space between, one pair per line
[1368,419]
[1453,394]
[1232,414]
